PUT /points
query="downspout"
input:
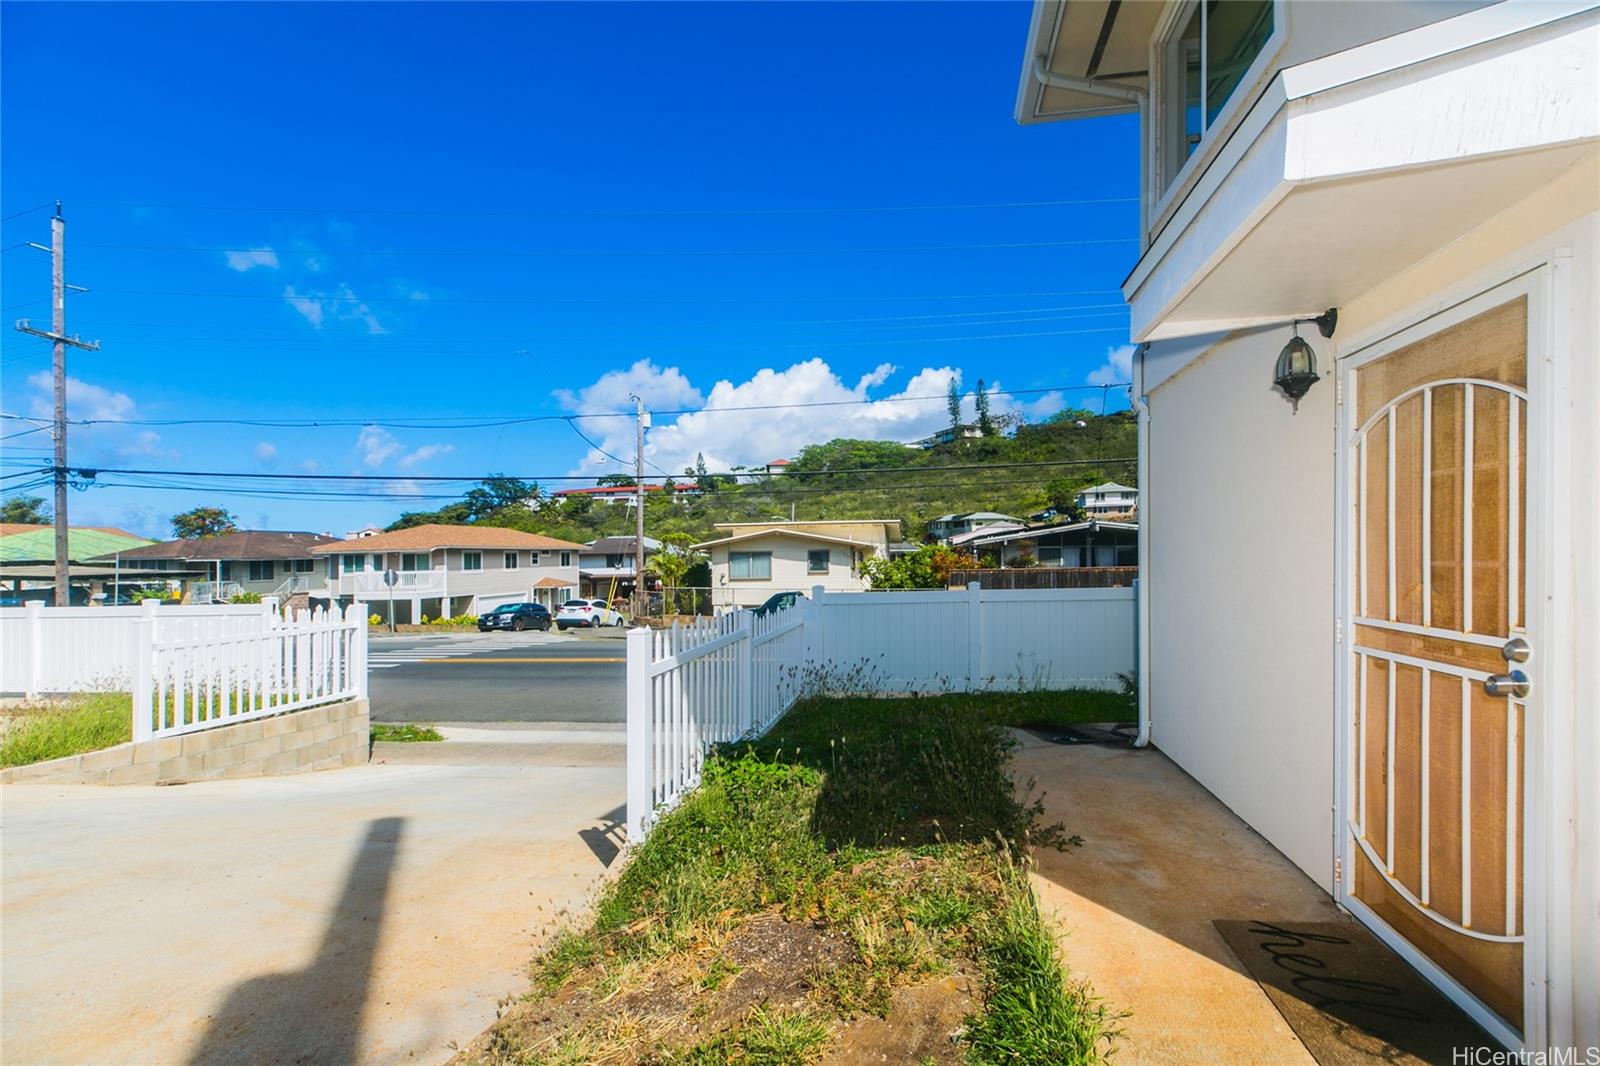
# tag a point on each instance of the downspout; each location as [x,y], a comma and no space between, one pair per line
[1130,94]
[1142,406]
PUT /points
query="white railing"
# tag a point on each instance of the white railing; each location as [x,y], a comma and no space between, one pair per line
[410,582]
[197,675]
[203,592]
[46,650]
[717,680]
[297,584]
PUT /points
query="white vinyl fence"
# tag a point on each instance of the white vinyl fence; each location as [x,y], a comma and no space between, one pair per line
[188,667]
[717,680]
[56,650]
[196,677]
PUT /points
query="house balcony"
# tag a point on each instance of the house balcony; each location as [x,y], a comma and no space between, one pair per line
[412,583]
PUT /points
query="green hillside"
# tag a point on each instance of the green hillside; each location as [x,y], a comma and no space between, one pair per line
[1026,471]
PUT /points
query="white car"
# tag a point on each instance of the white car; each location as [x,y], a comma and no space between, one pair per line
[589,614]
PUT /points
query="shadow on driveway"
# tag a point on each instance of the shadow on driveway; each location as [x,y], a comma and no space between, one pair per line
[314,1015]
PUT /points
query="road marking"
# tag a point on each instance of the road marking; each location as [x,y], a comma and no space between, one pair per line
[498,659]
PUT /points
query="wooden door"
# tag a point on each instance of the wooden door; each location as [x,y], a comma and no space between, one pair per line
[1436,773]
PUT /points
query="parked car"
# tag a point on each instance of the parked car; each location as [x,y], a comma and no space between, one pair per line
[588,614]
[779,601]
[515,616]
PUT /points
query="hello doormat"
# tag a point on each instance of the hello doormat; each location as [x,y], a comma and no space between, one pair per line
[1349,998]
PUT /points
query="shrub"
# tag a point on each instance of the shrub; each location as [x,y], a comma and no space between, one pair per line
[246,597]
[374,619]
[460,621]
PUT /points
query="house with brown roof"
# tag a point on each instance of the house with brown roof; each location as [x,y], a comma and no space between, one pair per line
[752,561]
[263,561]
[441,570]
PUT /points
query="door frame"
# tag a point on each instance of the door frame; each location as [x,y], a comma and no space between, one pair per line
[1533,282]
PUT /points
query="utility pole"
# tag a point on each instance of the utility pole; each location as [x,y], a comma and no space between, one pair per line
[58,335]
[640,600]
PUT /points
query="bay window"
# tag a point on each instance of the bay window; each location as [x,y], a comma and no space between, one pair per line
[1203,60]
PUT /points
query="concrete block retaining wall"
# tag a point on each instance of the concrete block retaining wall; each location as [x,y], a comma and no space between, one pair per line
[318,738]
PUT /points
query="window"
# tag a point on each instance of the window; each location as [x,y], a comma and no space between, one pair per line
[750,566]
[615,562]
[377,561]
[817,561]
[354,564]
[416,561]
[566,558]
[1212,45]
[472,560]
[533,558]
[511,560]
[261,571]
[302,566]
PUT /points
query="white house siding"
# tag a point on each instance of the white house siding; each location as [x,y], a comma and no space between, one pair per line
[494,584]
[789,570]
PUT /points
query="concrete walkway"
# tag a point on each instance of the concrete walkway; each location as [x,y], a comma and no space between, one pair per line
[1161,859]
[372,915]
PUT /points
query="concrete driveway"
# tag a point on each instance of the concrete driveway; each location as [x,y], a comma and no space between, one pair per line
[372,915]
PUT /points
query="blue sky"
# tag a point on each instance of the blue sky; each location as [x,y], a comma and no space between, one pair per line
[414,213]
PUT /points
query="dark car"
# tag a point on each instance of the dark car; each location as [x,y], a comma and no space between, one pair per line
[779,601]
[515,616]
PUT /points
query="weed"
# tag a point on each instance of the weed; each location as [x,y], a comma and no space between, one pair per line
[762,1038]
[404,734]
[55,730]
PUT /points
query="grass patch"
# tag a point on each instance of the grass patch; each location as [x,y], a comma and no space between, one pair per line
[866,850]
[404,734]
[39,732]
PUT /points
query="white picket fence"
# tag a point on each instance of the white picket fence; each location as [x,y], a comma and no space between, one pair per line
[201,676]
[188,667]
[722,679]
[56,650]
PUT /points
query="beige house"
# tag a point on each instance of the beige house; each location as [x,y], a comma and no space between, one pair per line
[441,571]
[1369,428]
[757,559]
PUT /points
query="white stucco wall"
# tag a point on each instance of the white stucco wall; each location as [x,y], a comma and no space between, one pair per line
[1240,521]
[789,570]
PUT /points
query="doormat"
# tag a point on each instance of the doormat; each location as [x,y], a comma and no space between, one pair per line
[1349,998]
[1117,733]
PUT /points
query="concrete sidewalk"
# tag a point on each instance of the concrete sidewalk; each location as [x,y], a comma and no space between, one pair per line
[372,915]
[1133,906]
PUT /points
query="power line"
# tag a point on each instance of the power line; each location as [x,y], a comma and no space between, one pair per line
[612,212]
[672,253]
[28,211]
[612,301]
[495,422]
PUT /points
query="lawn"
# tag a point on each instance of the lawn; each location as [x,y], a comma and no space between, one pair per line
[851,886]
[37,732]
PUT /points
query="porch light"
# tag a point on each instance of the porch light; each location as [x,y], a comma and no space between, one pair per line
[1297,363]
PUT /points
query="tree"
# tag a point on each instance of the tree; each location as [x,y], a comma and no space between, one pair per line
[203,522]
[929,567]
[614,479]
[1063,494]
[28,510]
[954,405]
[495,492]
[986,424]
[672,565]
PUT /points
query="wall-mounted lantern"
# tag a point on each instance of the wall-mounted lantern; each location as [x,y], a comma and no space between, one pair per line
[1297,363]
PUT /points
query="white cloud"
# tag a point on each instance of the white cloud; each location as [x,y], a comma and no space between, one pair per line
[266,452]
[340,305]
[662,389]
[83,399]
[776,429]
[1117,368]
[1044,406]
[376,445]
[147,444]
[311,466]
[250,258]
[424,453]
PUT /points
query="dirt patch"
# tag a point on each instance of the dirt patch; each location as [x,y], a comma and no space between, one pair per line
[923,1025]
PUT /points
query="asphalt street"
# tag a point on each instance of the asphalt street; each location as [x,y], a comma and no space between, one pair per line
[497,677]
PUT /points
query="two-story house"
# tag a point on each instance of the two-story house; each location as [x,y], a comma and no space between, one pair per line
[440,571]
[951,525]
[260,561]
[754,560]
[1096,543]
[606,566]
[1366,310]
[1109,498]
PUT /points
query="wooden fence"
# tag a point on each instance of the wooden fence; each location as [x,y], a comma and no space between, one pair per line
[1048,577]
